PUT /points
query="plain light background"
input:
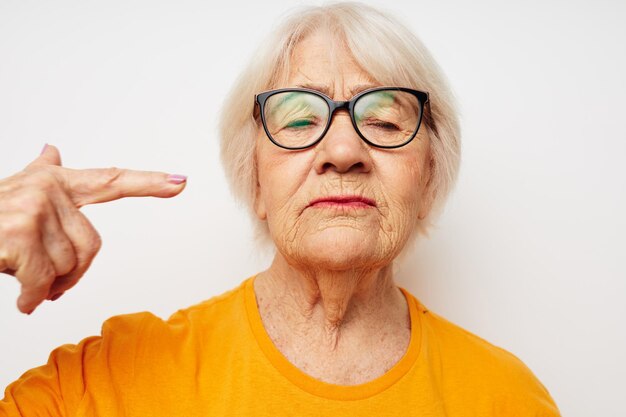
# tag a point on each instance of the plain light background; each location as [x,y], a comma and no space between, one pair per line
[529,253]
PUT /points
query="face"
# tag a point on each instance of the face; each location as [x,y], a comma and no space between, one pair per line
[373,197]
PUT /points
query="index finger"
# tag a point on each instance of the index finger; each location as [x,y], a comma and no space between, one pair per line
[99,185]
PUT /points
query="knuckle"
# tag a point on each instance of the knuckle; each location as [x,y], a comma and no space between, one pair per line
[107,180]
[90,246]
[111,174]
[88,242]
[95,243]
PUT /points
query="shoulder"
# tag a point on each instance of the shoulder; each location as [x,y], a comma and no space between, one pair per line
[461,344]
[133,350]
[493,375]
[207,315]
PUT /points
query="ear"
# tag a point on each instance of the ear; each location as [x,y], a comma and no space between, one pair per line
[259,204]
[429,193]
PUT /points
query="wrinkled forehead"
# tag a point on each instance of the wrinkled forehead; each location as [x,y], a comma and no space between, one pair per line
[322,60]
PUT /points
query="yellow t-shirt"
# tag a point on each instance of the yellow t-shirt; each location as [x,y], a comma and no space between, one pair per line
[216,359]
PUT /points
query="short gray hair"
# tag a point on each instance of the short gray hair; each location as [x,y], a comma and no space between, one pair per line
[388,51]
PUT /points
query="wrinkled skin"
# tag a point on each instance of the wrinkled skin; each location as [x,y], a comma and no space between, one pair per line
[331,275]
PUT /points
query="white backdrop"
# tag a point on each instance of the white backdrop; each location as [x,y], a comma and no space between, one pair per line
[526,254]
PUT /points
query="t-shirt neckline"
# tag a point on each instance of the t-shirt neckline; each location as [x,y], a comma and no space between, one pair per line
[325,389]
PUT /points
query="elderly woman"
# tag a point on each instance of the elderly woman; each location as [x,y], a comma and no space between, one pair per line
[342,140]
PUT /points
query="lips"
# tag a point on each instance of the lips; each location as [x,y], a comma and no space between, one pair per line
[343,201]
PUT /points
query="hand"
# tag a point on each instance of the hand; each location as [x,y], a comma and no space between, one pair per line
[45,241]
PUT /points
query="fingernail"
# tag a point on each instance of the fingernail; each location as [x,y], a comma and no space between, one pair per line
[176,179]
[44,149]
[56,296]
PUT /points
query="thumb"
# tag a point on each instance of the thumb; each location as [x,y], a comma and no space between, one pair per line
[49,156]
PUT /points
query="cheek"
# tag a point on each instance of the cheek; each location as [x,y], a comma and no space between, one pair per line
[280,176]
[401,178]
[415,168]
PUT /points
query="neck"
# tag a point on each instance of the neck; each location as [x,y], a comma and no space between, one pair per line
[322,305]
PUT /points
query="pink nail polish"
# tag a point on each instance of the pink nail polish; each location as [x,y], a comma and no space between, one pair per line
[176,179]
[44,149]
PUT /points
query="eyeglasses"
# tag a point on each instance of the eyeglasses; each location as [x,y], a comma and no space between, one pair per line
[384,117]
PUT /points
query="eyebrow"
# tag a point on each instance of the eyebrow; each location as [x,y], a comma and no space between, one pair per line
[323,88]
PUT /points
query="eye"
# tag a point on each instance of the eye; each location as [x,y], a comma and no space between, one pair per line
[294,124]
[381,124]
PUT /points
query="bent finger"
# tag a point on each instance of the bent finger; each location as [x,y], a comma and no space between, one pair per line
[58,246]
[36,273]
[86,243]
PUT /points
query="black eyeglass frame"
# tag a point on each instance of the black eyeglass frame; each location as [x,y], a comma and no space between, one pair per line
[333,106]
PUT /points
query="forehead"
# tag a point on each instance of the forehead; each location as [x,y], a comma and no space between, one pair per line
[323,60]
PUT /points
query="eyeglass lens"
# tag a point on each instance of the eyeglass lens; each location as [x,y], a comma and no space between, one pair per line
[384,117]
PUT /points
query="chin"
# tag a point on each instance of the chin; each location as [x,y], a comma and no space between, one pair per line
[340,249]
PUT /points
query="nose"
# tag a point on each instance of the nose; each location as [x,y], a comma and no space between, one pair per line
[342,149]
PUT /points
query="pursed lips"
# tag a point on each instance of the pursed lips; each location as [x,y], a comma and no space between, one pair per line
[343,201]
